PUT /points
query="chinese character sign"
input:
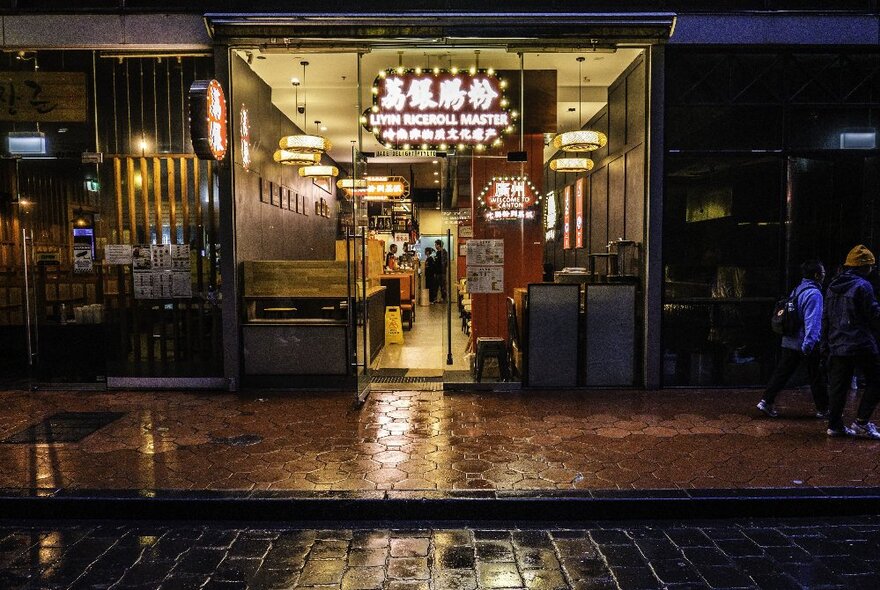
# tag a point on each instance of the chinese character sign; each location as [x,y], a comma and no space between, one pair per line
[579,213]
[43,96]
[245,134]
[207,105]
[510,197]
[437,108]
[566,218]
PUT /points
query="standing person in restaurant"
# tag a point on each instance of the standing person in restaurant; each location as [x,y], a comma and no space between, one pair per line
[443,259]
[850,320]
[431,282]
[802,345]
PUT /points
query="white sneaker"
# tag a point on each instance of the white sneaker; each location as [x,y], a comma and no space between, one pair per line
[843,431]
[865,430]
[767,409]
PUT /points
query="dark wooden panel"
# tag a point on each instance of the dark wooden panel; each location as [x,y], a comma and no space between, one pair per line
[599,210]
[540,98]
[635,194]
[616,197]
[635,104]
[600,123]
[617,117]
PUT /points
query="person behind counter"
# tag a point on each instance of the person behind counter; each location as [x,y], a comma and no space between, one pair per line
[432,280]
[391,257]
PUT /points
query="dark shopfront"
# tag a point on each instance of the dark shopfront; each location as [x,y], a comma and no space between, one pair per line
[771,159]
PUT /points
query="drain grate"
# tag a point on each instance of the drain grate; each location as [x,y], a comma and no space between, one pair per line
[64,427]
[242,440]
[389,379]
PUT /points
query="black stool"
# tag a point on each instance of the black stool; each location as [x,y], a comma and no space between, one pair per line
[491,347]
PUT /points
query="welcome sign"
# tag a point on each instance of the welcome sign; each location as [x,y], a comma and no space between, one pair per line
[436,109]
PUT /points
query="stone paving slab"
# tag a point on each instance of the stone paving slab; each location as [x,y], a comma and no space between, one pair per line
[431,442]
[773,554]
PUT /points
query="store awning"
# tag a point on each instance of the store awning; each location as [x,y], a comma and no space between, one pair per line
[538,31]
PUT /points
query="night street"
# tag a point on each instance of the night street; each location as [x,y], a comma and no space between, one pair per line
[771,554]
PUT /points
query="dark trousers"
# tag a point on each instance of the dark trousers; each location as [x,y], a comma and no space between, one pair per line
[788,364]
[840,372]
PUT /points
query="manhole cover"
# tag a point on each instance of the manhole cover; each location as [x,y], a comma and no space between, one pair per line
[242,440]
[64,427]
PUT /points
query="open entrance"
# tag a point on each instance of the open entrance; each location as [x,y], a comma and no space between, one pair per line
[360,162]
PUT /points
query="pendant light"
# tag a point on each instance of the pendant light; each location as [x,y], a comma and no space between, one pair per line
[302,143]
[315,171]
[580,140]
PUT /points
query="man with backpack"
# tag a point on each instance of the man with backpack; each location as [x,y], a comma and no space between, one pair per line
[851,318]
[800,321]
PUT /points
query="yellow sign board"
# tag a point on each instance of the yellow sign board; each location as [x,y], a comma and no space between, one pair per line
[393,326]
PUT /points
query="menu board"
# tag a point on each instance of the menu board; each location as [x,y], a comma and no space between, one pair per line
[485,279]
[160,271]
[485,269]
[485,252]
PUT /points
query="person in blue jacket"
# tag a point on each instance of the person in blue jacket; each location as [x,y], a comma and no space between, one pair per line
[851,319]
[803,346]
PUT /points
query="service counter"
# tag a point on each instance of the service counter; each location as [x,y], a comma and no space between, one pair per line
[296,322]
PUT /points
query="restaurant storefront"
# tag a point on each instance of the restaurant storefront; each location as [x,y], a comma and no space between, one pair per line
[128,261]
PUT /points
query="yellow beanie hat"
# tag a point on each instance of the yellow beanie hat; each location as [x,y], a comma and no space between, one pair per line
[859,256]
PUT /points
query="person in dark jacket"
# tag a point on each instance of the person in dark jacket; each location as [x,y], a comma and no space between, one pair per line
[431,274]
[850,319]
[803,346]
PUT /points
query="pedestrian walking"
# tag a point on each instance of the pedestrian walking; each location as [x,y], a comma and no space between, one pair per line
[851,317]
[802,344]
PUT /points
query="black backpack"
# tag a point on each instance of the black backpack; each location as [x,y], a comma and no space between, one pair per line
[786,319]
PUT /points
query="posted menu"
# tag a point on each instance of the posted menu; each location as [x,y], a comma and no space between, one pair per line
[485,268]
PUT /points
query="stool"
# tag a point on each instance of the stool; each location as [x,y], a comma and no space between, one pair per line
[491,347]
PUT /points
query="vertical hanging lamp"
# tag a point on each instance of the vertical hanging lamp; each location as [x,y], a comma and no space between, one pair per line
[580,140]
[302,143]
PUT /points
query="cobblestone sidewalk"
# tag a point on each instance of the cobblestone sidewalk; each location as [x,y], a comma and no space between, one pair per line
[430,441]
[777,555]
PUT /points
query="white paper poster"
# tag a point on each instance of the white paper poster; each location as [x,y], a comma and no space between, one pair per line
[82,258]
[160,255]
[180,257]
[140,258]
[485,252]
[117,253]
[485,279]
[181,284]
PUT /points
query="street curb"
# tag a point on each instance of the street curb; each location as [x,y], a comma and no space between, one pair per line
[438,506]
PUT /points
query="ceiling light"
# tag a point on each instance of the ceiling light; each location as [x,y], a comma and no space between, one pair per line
[571,165]
[580,140]
[304,143]
[295,158]
[313,171]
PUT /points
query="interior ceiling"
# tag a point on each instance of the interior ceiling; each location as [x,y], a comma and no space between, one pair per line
[328,89]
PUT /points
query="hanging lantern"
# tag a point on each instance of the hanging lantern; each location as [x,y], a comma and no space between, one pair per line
[580,141]
[571,165]
[314,144]
[296,158]
[314,171]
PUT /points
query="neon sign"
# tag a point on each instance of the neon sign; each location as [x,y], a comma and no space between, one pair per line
[376,187]
[566,218]
[436,109]
[550,217]
[509,197]
[207,107]
[245,132]
[579,213]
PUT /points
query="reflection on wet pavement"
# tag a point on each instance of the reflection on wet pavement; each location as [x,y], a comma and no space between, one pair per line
[773,554]
[425,440]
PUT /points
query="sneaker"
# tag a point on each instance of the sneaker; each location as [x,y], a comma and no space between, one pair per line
[867,430]
[842,431]
[767,409]
[821,415]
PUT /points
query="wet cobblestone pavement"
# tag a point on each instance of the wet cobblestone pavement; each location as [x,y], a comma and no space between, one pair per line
[772,554]
[410,440]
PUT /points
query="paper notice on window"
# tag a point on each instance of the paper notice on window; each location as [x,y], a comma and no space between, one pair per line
[160,255]
[117,253]
[485,279]
[485,252]
[180,257]
[143,285]
[82,258]
[181,284]
[140,258]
